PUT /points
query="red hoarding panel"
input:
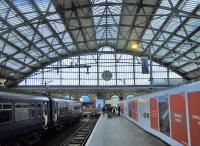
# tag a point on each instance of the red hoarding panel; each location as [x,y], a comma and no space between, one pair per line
[134,110]
[178,118]
[194,117]
[154,113]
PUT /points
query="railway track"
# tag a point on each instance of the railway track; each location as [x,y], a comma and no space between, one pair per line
[79,137]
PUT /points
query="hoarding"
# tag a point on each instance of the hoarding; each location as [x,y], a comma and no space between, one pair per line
[134,113]
[194,117]
[163,107]
[178,118]
[154,113]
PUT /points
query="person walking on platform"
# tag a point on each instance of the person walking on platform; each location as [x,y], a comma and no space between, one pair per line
[118,109]
[110,115]
[103,110]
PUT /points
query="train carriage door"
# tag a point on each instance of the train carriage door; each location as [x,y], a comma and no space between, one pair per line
[56,111]
[45,113]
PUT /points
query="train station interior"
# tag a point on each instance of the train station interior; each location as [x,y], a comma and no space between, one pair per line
[100,72]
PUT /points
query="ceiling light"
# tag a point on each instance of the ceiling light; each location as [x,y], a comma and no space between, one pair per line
[134,46]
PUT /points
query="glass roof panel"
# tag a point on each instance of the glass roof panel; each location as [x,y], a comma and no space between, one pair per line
[7,49]
[189,27]
[3,9]
[45,49]
[196,37]
[13,19]
[57,46]
[192,55]
[106,16]
[2,58]
[167,4]
[162,52]
[172,24]
[44,30]
[41,44]
[157,21]
[103,1]
[23,58]
[178,63]
[184,47]
[167,59]
[190,67]
[65,37]
[26,8]
[13,64]
[43,5]
[60,51]
[52,54]
[56,23]
[148,35]
[34,52]
[189,5]
[71,47]
[26,69]
[26,31]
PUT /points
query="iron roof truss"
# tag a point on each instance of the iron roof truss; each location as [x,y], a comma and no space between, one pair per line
[36,33]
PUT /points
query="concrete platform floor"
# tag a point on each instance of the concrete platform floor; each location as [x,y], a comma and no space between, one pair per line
[120,132]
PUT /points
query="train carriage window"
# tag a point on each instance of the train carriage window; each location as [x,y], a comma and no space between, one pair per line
[22,111]
[63,110]
[5,116]
[7,106]
[26,105]
[5,113]
[77,107]
[18,106]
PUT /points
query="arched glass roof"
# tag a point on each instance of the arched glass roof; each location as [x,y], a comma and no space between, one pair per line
[36,33]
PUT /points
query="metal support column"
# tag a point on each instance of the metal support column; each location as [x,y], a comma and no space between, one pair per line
[134,68]
[168,79]
[43,76]
[116,78]
[79,70]
[60,71]
[97,69]
[151,65]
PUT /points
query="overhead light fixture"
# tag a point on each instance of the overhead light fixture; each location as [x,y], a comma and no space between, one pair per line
[134,46]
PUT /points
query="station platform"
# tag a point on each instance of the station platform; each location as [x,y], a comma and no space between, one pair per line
[119,131]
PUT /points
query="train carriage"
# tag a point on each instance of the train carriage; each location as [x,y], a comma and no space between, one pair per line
[21,114]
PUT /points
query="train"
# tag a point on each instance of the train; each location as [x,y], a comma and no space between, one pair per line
[23,115]
[173,115]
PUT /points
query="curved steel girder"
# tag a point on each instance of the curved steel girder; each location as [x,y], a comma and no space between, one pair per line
[13,83]
[124,3]
[154,29]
